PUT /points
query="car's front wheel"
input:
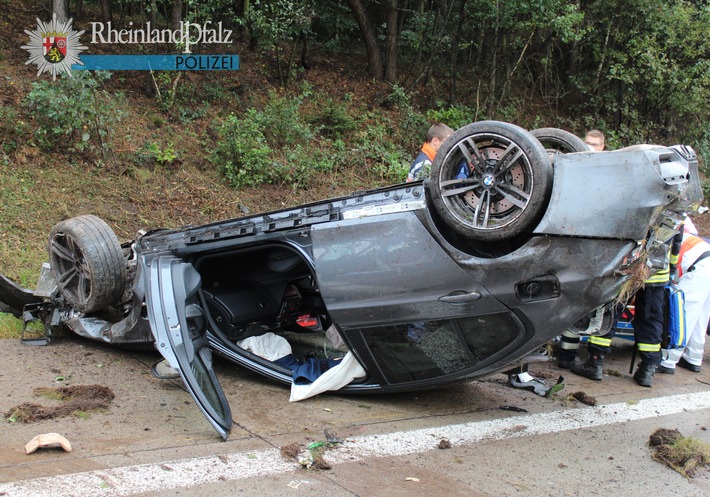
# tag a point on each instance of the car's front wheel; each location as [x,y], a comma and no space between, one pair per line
[490,181]
[87,262]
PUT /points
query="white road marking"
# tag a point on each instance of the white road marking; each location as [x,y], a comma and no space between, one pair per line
[130,480]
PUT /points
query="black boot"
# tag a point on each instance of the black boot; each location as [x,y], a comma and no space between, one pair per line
[591,369]
[563,363]
[644,374]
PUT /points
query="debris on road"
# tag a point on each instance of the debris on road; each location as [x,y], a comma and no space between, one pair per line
[308,457]
[526,381]
[584,398]
[331,437]
[75,399]
[290,451]
[47,441]
[513,408]
[444,444]
[682,454]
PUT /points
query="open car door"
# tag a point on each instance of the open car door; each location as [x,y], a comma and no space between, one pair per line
[179,325]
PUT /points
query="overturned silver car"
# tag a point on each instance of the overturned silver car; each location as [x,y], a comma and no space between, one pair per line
[404,287]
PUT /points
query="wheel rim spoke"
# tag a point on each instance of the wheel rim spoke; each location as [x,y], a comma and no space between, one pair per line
[505,162]
[62,252]
[67,276]
[483,207]
[74,276]
[464,185]
[519,201]
[477,160]
[83,289]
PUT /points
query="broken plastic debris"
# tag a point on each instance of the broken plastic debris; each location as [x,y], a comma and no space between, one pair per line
[164,371]
[47,440]
[528,382]
[513,408]
[331,437]
[411,478]
[305,459]
[556,387]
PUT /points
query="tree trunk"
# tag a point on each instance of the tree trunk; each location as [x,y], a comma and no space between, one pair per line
[305,52]
[391,43]
[79,10]
[149,87]
[59,8]
[573,56]
[369,36]
[494,57]
[454,55]
[153,13]
[176,14]
[106,11]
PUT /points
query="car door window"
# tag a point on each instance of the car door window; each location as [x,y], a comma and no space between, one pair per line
[431,349]
[179,326]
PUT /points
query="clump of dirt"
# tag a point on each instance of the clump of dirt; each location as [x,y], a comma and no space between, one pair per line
[75,399]
[682,454]
[318,461]
[584,398]
[290,451]
[444,444]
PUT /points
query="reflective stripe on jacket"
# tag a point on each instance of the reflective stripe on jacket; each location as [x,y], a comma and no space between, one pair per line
[663,276]
[691,248]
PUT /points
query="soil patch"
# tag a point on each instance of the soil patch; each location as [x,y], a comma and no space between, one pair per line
[682,454]
[584,398]
[74,399]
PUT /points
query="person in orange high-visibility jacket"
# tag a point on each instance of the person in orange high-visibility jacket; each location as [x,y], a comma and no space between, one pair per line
[693,277]
[648,317]
[421,167]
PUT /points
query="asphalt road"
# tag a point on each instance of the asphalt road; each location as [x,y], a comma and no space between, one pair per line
[153,441]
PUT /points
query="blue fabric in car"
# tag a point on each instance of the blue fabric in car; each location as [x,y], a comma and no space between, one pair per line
[307,371]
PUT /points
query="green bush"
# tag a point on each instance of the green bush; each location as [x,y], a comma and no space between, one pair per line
[300,166]
[151,152]
[74,114]
[243,154]
[398,97]
[281,121]
[12,131]
[333,120]
[454,116]
[383,156]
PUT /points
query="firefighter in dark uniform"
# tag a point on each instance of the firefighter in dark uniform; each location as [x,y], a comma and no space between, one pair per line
[648,317]
[648,329]
[598,346]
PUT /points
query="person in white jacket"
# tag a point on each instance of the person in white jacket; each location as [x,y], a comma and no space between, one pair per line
[693,276]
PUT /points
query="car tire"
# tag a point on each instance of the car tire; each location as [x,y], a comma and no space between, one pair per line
[507,189]
[87,262]
[558,141]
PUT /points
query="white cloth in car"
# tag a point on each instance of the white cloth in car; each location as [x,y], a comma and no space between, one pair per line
[333,379]
[269,346]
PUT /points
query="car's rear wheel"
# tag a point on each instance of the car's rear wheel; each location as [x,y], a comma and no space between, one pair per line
[87,262]
[559,141]
[490,181]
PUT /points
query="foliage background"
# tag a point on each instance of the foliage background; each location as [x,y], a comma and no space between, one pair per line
[331,97]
